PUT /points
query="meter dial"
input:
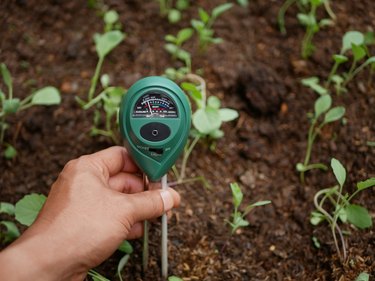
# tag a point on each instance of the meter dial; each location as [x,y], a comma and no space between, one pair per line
[155,104]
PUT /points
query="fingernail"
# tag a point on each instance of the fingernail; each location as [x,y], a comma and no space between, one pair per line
[167,198]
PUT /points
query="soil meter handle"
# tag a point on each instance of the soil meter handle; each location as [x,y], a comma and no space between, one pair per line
[155,118]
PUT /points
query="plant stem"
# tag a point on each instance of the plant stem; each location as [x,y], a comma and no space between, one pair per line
[186,157]
[329,11]
[95,78]
[310,140]
[333,71]
[202,85]
[281,15]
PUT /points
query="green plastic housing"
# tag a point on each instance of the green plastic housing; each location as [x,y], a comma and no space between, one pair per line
[153,164]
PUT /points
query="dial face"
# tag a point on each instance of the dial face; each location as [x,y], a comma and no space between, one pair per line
[155,104]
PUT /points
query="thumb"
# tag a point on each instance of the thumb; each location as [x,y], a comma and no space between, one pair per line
[153,203]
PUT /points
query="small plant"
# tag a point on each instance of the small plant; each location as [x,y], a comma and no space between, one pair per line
[9,105]
[238,217]
[243,3]
[342,209]
[173,12]
[11,230]
[174,47]
[109,98]
[203,25]
[357,43]
[308,18]
[323,115]
[206,119]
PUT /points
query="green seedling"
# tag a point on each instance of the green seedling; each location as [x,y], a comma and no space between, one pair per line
[323,114]
[9,105]
[341,207]
[207,118]
[363,276]
[307,17]
[11,230]
[111,21]
[243,3]
[174,278]
[357,43]
[203,25]
[174,47]
[173,10]
[239,218]
[108,100]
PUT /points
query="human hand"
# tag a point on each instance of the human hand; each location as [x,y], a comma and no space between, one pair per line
[97,202]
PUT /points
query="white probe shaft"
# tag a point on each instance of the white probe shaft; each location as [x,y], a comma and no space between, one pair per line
[164,236]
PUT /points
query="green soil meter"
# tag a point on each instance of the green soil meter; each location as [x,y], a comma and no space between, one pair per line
[155,119]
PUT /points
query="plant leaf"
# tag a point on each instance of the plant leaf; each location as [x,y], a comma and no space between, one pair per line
[316,218]
[216,134]
[351,37]
[206,120]
[358,52]
[227,114]
[217,11]
[11,105]
[6,208]
[12,231]
[366,184]
[260,203]
[121,264]
[213,102]
[313,83]
[203,15]
[363,276]
[46,96]
[105,43]
[322,104]
[126,247]
[174,278]
[334,114]
[237,194]
[7,78]
[28,208]
[340,58]
[339,171]
[10,152]
[358,216]
[184,34]
[174,16]
[111,17]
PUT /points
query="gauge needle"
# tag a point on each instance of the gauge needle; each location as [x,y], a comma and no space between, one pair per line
[149,106]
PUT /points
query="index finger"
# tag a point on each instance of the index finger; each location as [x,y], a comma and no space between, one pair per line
[115,159]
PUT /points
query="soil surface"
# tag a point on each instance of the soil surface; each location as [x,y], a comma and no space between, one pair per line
[256,71]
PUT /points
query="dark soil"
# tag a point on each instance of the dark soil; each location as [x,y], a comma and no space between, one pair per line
[256,71]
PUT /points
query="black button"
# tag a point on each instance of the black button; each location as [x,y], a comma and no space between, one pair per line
[155,131]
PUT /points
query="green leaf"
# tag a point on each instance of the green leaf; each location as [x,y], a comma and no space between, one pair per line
[369,38]
[227,114]
[237,194]
[28,208]
[198,25]
[300,167]
[184,34]
[306,19]
[217,11]
[203,15]
[316,242]
[213,102]
[322,104]
[121,264]
[12,231]
[46,96]
[126,247]
[358,216]
[339,171]
[217,134]
[316,218]
[11,105]
[104,80]
[363,276]
[260,203]
[105,43]
[170,38]
[7,78]
[351,37]
[10,152]
[174,16]
[342,213]
[340,58]
[182,4]
[366,184]
[358,51]
[243,3]
[334,114]
[313,83]
[111,17]
[174,278]
[206,120]
[6,208]
[326,22]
